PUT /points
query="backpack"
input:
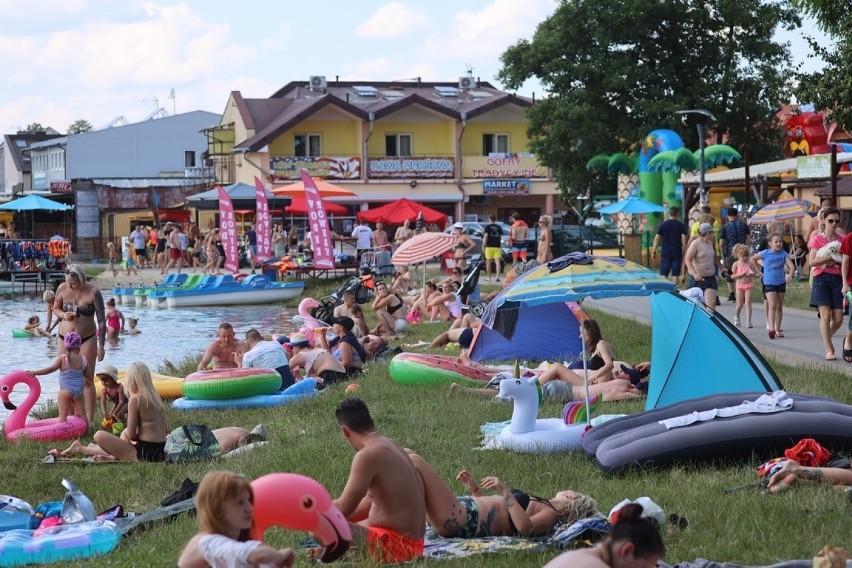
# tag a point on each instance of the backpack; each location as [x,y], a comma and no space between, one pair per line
[191,442]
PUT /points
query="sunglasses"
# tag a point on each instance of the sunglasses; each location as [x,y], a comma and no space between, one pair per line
[832,221]
[72,274]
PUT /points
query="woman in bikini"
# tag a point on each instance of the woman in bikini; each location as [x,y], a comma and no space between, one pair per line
[391,311]
[314,362]
[78,303]
[543,253]
[144,438]
[600,360]
[461,246]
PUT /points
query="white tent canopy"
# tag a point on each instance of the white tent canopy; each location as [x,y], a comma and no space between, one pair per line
[755,172]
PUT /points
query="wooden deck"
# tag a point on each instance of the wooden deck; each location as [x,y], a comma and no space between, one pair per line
[21,281]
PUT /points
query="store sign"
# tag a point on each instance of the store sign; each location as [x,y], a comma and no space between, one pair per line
[505,186]
[502,167]
[325,167]
[818,166]
[60,187]
[409,167]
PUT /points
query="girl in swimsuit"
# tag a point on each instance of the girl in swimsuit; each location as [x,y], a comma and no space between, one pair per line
[144,438]
[78,303]
[225,518]
[391,311]
[115,320]
[446,304]
[114,392]
[71,366]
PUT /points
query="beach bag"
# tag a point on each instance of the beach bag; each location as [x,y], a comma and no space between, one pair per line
[191,442]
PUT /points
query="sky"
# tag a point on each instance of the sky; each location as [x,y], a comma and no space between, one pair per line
[99,60]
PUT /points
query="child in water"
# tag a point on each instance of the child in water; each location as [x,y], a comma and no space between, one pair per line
[133,322]
[225,505]
[113,257]
[70,366]
[113,391]
[49,299]
[32,327]
[115,320]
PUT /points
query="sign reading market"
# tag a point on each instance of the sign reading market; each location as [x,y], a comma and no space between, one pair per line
[505,186]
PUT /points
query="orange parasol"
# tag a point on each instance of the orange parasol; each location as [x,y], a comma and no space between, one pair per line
[325,189]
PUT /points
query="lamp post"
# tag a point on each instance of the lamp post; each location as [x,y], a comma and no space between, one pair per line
[701,118]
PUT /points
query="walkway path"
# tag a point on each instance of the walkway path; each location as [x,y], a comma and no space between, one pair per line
[801,344]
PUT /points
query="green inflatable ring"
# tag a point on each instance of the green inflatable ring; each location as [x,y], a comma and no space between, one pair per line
[222,384]
[22,333]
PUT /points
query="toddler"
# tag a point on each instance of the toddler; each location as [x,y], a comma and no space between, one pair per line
[71,366]
[743,274]
[113,256]
[133,322]
[113,391]
[32,327]
[128,264]
[115,320]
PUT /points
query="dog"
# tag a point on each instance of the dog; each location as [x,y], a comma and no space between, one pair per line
[832,250]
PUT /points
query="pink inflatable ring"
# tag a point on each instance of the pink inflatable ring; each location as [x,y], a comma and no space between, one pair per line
[17,427]
[221,384]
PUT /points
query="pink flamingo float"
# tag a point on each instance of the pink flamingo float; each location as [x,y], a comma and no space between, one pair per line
[309,322]
[297,502]
[17,427]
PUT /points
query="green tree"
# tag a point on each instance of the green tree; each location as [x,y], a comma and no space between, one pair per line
[616,69]
[35,127]
[79,126]
[831,87]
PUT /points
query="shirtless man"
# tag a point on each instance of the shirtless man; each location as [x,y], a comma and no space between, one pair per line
[384,493]
[701,263]
[222,351]
[380,237]
[175,253]
[345,310]
[518,235]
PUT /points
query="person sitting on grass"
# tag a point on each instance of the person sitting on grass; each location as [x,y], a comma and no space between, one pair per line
[266,355]
[791,472]
[112,391]
[350,308]
[460,332]
[311,361]
[225,504]
[33,327]
[445,305]
[346,348]
[633,541]
[391,311]
[420,304]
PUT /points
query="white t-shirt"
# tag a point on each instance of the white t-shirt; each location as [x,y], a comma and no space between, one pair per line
[364,234]
[222,552]
[265,355]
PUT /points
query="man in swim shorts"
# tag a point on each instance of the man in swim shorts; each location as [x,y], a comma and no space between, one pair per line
[701,264]
[221,351]
[383,473]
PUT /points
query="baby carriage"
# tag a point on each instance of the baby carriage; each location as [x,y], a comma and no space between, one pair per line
[362,286]
[469,291]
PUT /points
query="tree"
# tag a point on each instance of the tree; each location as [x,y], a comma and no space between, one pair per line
[830,88]
[35,127]
[79,126]
[616,69]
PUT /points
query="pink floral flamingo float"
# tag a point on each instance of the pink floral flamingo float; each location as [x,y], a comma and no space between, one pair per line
[17,427]
[297,502]
[309,322]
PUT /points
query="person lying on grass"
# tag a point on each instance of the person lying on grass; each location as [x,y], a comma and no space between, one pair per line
[792,473]
[632,542]
[225,505]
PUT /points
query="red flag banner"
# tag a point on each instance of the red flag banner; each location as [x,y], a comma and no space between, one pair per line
[228,230]
[320,233]
[262,223]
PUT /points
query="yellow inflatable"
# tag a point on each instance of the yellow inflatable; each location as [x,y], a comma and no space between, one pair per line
[166,386]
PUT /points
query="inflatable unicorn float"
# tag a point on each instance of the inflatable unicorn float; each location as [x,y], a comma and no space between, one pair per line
[17,427]
[526,433]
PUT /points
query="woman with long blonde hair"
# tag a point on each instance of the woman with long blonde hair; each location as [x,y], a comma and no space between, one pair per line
[225,503]
[144,437]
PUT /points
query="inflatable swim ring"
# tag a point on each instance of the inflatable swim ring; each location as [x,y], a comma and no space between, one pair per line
[303,389]
[422,369]
[219,384]
[165,385]
[58,544]
[22,333]
[17,427]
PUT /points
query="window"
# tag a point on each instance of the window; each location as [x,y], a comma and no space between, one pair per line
[307,145]
[495,143]
[189,159]
[397,144]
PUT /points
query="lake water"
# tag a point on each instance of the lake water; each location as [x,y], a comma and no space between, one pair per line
[166,334]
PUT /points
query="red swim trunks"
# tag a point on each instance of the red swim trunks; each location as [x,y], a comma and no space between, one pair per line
[174,254]
[390,547]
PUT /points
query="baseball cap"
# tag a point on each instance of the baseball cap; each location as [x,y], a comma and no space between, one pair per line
[705,228]
[458,226]
[344,321]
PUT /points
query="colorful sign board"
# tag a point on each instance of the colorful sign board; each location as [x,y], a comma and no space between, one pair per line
[818,166]
[505,186]
[325,167]
[513,166]
[411,167]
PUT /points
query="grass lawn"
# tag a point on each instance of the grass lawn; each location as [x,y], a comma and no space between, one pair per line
[744,527]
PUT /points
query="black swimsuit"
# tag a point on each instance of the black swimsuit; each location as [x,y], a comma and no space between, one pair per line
[83,310]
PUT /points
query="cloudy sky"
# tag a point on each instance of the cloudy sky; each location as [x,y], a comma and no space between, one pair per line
[97,60]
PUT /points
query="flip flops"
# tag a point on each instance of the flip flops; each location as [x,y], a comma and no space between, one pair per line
[847,353]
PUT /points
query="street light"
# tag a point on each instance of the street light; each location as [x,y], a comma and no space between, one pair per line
[701,118]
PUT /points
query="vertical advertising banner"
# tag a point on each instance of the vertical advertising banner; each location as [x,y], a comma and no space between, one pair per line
[228,230]
[262,223]
[320,233]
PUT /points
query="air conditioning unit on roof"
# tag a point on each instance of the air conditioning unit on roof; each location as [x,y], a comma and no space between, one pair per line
[318,82]
[467,83]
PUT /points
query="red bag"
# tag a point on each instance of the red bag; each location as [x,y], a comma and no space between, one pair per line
[808,452]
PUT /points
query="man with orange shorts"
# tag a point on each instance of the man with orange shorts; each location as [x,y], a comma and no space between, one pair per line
[383,499]
[518,238]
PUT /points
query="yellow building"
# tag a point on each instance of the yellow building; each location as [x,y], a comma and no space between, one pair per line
[459,147]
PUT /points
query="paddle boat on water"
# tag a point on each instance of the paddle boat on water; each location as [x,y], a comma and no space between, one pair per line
[138,295]
[225,290]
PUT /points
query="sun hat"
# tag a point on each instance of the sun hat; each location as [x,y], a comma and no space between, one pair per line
[466,338]
[299,340]
[458,226]
[108,371]
[72,340]
[705,228]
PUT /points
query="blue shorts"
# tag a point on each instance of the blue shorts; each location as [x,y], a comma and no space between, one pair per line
[826,291]
[670,262]
[519,246]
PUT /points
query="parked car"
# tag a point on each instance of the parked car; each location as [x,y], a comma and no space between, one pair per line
[571,238]
[476,229]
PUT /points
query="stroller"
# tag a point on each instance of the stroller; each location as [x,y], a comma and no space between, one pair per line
[470,290]
[362,286]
